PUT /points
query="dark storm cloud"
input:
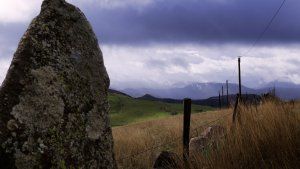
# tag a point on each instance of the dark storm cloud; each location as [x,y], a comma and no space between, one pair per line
[9,37]
[196,20]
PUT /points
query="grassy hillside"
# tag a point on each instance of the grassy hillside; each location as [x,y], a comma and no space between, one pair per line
[126,110]
[134,138]
[266,137]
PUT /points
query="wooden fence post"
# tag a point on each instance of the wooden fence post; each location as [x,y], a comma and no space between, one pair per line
[240,81]
[227,94]
[222,98]
[186,129]
[220,102]
[235,108]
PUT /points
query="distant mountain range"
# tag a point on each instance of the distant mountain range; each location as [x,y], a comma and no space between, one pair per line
[212,101]
[279,84]
[198,91]
[112,91]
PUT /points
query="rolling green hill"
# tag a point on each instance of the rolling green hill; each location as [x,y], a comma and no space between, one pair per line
[125,110]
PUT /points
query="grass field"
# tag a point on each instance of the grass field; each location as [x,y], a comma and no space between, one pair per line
[126,110]
[268,136]
[134,138]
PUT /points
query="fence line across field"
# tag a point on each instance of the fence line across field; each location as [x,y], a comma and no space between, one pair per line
[211,122]
[186,131]
[174,140]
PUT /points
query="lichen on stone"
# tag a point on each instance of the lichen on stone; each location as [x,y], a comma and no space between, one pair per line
[41,100]
[53,102]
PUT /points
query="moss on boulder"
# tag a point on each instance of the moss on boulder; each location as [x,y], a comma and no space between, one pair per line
[53,102]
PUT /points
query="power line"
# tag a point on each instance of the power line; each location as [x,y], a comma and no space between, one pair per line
[266,28]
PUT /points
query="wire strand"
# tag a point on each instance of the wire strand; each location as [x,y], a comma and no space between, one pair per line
[266,28]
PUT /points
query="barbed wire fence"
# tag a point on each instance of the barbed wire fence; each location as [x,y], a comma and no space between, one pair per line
[176,139]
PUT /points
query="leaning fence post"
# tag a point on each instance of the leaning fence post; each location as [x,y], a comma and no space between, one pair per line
[235,108]
[186,129]
[220,102]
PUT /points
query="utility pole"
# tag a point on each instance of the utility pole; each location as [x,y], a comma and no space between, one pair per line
[227,94]
[220,104]
[222,98]
[240,81]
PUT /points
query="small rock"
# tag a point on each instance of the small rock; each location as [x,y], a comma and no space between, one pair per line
[167,160]
[214,131]
[207,137]
[197,144]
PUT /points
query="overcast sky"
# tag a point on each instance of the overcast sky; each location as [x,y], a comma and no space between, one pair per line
[162,43]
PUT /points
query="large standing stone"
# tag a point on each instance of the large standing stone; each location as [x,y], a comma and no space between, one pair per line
[53,102]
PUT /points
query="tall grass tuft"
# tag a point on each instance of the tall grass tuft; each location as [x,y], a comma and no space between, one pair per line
[265,136]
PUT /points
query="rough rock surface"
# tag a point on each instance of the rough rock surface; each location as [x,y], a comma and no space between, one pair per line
[167,160]
[208,138]
[53,102]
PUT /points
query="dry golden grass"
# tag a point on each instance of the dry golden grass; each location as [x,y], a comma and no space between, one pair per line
[162,134]
[266,137]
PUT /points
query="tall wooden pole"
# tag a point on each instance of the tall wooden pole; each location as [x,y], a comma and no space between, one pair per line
[240,80]
[222,98]
[186,129]
[220,103]
[227,94]
[235,108]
